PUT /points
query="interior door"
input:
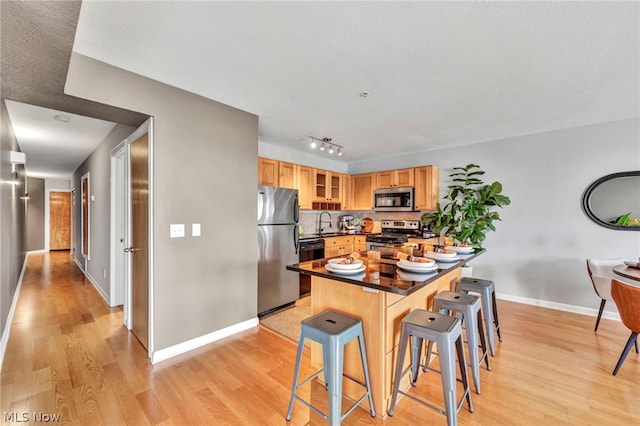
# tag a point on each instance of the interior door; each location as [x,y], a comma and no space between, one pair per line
[59,221]
[139,234]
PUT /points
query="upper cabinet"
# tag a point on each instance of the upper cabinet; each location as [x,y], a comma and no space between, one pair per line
[427,186]
[361,193]
[305,185]
[268,171]
[395,178]
[286,175]
[328,190]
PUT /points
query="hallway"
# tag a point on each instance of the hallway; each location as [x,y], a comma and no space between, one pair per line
[69,355]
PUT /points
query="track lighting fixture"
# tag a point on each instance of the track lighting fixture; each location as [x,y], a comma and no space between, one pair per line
[326,145]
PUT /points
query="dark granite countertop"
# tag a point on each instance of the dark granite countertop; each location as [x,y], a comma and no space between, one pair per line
[390,278]
[328,235]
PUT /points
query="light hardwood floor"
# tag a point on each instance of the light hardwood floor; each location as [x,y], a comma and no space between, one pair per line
[69,354]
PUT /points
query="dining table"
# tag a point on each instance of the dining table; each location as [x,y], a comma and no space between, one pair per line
[629,272]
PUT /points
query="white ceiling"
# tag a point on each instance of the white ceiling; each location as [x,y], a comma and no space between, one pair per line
[54,149]
[439,73]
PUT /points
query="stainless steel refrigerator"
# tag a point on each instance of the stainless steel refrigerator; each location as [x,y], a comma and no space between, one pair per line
[278,241]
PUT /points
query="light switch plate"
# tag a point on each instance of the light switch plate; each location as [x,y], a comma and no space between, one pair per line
[195,229]
[176,230]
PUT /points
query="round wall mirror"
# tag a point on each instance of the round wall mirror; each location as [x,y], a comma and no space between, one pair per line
[613,201]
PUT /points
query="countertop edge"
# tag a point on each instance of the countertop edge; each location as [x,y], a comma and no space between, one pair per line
[404,292]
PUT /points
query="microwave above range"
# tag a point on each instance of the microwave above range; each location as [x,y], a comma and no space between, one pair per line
[393,199]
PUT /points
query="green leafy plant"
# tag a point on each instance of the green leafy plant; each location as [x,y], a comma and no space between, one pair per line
[469,207]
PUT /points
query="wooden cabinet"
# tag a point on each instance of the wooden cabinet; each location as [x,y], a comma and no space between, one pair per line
[361,191]
[338,246]
[394,178]
[328,190]
[304,184]
[360,243]
[427,184]
[286,175]
[346,196]
[268,172]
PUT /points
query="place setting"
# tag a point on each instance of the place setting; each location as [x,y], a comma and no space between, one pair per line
[341,267]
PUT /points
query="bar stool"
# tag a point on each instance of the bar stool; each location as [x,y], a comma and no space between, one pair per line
[446,331]
[486,289]
[468,307]
[333,331]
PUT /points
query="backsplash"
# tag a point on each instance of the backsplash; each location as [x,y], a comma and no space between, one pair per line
[309,219]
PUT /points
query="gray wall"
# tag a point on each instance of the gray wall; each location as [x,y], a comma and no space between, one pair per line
[98,164]
[35,214]
[12,219]
[540,247]
[204,171]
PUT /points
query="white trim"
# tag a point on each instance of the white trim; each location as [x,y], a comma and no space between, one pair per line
[86,257]
[92,280]
[37,251]
[197,342]
[12,310]
[149,123]
[558,306]
[116,153]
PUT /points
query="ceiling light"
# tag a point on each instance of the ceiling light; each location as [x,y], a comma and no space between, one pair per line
[62,118]
[364,94]
[326,145]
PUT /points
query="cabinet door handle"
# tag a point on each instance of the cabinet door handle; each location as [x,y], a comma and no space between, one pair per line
[131,249]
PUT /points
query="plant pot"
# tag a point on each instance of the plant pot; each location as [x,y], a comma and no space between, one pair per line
[466,271]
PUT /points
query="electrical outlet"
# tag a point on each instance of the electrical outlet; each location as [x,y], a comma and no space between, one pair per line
[195,230]
[176,230]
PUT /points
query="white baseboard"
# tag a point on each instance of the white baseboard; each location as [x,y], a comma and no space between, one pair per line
[559,306]
[192,344]
[38,251]
[97,287]
[7,324]
[93,282]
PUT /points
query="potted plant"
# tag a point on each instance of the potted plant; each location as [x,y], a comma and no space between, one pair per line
[356,223]
[469,207]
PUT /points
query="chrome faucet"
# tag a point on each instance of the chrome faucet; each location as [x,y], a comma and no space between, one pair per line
[320,221]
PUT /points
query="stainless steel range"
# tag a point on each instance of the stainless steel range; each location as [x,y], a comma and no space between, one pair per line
[394,234]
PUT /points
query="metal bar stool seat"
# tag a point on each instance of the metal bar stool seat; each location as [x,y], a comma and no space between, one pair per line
[468,308]
[446,331]
[486,289]
[333,331]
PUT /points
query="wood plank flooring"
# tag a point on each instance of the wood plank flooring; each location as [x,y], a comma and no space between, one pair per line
[70,355]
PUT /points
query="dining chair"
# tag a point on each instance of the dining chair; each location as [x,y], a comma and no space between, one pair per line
[627,299]
[600,272]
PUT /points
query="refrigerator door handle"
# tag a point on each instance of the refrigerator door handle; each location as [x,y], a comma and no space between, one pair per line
[296,210]
[296,237]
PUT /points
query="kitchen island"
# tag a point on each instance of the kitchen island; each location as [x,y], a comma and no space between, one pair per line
[381,299]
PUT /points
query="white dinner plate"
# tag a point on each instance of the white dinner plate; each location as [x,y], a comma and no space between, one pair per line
[427,265]
[632,263]
[461,250]
[332,268]
[335,263]
[419,269]
[411,276]
[442,257]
